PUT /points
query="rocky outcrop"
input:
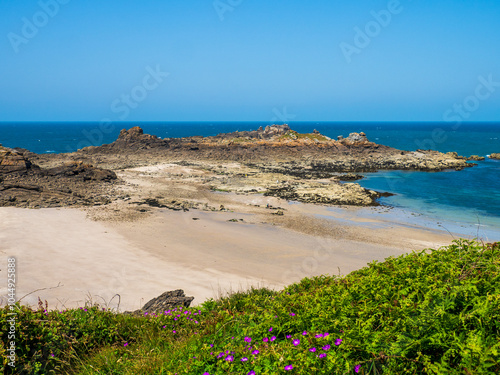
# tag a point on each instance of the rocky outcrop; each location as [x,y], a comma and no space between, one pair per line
[167,301]
[312,153]
[476,158]
[13,161]
[24,184]
[495,156]
[330,194]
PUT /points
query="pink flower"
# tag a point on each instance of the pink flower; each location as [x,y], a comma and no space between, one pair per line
[338,342]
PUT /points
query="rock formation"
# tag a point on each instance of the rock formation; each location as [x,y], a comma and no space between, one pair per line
[167,301]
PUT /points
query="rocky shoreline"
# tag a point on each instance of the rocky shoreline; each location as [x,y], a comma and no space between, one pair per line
[274,161]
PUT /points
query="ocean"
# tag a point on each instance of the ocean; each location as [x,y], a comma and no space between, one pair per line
[467,199]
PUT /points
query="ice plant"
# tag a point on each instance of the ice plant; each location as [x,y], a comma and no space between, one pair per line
[312,350]
[255,352]
[244,359]
[265,339]
[326,347]
[338,342]
[288,368]
[296,342]
[356,368]
[322,355]
[248,339]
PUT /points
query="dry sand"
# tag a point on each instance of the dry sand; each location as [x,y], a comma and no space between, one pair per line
[200,252]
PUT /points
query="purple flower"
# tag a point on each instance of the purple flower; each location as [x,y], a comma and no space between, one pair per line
[292,314]
[211,345]
[244,359]
[356,368]
[288,368]
[288,336]
[255,352]
[174,332]
[304,333]
[312,350]
[271,329]
[52,355]
[326,347]
[126,344]
[322,355]
[248,339]
[221,354]
[251,372]
[338,342]
[229,358]
[319,335]
[265,339]
[296,342]
[273,338]
[206,373]
[326,334]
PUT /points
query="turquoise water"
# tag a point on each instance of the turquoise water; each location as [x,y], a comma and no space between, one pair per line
[471,196]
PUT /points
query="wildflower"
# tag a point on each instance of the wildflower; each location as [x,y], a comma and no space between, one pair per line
[322,355]
[304,333]
[247,339]
[251,372]
[326,334]
[319,335]
[229,358]
[312,350]
[244,359]
[126,344]
[265,339]
[292,314]
[288,336]
[288,368]
[296,342]
[206,373]
[52,355]
[271,329]
[220,355]
[356,368]
[273,338]
[211,345]
[338,342]
[326,347]
[255,352]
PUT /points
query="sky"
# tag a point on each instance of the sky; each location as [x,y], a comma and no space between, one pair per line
[242,60]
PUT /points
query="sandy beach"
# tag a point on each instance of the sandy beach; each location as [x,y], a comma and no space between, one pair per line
[74,258]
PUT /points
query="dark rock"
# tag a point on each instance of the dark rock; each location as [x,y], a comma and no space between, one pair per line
[476,158]
[167,301]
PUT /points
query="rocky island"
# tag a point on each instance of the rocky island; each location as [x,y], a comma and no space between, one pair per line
[274,161]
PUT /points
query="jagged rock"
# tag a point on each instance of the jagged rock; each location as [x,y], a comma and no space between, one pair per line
[495,156]
[79,169]
[476,158]
[167,301]
[13,161]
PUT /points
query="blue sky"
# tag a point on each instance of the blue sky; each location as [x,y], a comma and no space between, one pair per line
[249,60]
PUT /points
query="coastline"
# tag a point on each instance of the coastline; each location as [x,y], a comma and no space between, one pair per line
[209,257]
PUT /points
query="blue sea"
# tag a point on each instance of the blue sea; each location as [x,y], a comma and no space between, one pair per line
[469,198]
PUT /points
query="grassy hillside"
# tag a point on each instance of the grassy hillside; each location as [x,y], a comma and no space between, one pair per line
[433,312]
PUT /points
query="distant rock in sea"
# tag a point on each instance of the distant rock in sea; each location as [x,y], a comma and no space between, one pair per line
[495,156]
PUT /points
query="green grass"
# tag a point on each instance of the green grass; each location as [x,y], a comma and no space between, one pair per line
[432,312]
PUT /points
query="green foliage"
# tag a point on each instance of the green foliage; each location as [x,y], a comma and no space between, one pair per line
[432,312]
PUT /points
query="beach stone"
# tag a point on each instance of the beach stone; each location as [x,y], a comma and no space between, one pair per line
[166,301]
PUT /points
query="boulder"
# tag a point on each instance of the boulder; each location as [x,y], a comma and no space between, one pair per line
[167,301]
[495,156]
[13,161]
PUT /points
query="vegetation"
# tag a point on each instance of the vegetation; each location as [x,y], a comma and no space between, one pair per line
[292,134]
[432,312]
